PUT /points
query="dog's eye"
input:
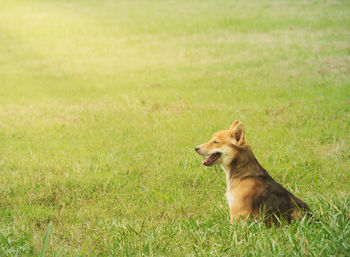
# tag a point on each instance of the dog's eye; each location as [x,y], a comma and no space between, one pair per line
[216,142]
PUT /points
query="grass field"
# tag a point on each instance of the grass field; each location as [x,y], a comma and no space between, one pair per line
[102,102]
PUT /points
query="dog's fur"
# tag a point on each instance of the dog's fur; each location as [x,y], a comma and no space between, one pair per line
[250,189]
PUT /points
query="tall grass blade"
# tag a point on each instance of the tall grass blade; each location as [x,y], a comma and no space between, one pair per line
[46,240]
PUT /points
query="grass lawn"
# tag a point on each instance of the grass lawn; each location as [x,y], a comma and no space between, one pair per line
[102,103]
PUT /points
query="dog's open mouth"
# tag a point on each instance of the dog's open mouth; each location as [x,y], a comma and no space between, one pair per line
[211,159]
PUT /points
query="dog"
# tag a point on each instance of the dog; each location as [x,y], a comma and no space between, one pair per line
[251,191]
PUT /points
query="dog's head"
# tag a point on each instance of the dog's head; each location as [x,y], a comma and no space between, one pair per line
[224,145]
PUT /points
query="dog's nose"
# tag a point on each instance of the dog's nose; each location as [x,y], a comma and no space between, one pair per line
[196,148]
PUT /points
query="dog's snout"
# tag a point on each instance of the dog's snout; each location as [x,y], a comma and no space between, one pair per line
[196,148]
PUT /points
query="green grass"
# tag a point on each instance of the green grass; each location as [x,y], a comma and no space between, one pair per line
[102,102]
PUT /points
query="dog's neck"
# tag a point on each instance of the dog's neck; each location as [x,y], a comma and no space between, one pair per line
[243,165]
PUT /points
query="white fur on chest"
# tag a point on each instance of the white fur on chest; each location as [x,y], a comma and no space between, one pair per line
[229,193]
[230,199]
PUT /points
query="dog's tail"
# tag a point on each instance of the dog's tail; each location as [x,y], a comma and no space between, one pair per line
[300,208]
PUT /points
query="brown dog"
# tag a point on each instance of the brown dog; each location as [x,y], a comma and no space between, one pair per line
[250,189]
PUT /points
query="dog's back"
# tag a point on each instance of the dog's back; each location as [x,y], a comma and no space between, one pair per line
[277,202]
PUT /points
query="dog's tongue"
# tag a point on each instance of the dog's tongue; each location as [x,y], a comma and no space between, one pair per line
[211,159]
[206,161]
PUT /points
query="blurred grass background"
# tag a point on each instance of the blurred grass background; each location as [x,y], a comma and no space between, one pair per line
[102,102]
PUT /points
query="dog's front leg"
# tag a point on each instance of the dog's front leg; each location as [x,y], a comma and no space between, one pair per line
[238,214]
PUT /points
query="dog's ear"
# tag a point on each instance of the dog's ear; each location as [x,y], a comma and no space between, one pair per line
[234,125]
[238,134]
